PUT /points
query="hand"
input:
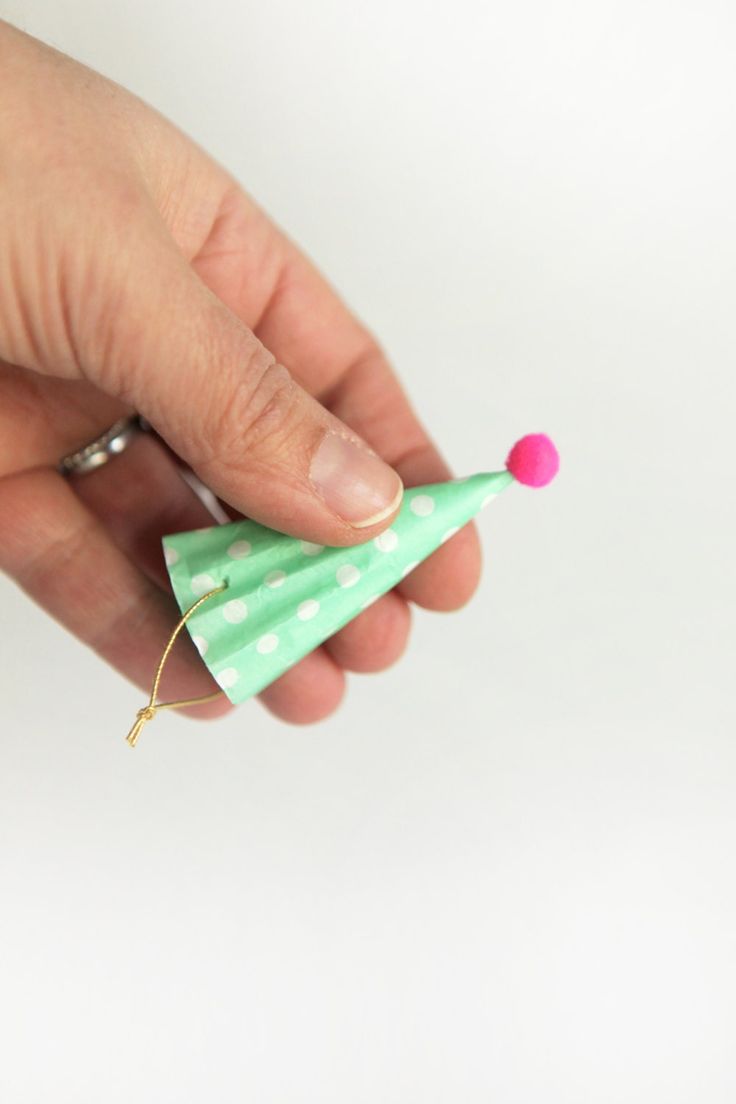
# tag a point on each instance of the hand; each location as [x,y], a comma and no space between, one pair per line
[135,275]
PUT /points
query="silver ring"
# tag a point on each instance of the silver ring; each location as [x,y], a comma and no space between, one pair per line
[110,443]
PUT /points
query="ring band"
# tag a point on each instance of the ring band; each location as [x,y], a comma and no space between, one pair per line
[110,443]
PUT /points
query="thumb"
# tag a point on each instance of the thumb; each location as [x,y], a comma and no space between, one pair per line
[224,404]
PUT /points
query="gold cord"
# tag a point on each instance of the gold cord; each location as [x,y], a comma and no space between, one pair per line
[148,712]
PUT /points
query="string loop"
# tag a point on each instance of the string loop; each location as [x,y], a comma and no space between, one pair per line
[149,711]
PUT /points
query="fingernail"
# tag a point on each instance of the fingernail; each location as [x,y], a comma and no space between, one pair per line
[355,484]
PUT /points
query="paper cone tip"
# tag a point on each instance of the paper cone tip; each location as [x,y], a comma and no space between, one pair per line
[534,460]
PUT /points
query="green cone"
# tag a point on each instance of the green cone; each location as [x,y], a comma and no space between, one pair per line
[285,596]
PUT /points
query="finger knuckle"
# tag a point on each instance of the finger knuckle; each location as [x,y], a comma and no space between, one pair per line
[261,413]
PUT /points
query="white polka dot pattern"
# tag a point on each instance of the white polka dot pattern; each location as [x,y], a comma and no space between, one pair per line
[308,609]
[347,575]
[388,541]
[235,611]
[239,549]
[226,679]
[422,505]
[201,584]
[285,596]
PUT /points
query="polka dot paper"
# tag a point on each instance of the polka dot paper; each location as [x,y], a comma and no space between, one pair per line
[282,597]
[285,596]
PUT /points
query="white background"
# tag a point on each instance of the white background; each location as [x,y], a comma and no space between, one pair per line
[505,870]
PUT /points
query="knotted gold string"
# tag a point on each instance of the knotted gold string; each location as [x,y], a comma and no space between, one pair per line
[148,712]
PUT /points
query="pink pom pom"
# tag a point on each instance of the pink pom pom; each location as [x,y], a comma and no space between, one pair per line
[534,460]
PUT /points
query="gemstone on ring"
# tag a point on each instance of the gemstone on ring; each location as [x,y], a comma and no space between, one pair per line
[110,443]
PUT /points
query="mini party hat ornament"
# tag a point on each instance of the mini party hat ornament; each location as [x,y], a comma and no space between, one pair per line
[256,601]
